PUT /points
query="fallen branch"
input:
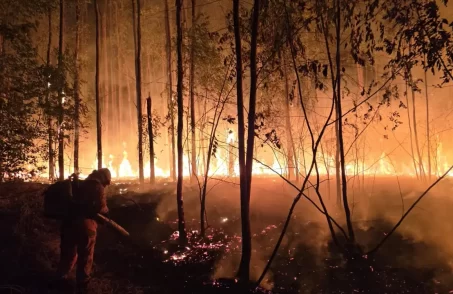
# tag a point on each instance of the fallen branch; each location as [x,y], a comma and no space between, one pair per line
[407,212]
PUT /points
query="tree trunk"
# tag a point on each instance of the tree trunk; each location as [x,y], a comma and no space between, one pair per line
[337,160]
[292,156]
[48,105]
[138,84]
[192,98]
[428,139]
[179,198]
[77,91]
[105,75]
[119,85]
[414,121]
[60,95]
[246,164]
[98,102]
[113,123]
[170,91]
[152,178]
[340,127]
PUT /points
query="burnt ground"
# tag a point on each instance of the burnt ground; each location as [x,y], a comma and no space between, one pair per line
[151,262]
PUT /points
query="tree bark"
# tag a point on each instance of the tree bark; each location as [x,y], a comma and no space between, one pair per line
[60,95]
[48,105]
[138,84]
[98,102]
[179,197]
[170,92]
[192,96]
[77,91]
[152,178]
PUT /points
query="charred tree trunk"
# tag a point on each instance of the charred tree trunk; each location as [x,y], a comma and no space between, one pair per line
[77,91]
[138,84]
[98,102]
[48,104]
[179,198]
[152,178]
[170,91]
[60,95]
[192,96]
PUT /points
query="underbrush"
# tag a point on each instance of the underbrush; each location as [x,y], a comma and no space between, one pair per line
[150,261]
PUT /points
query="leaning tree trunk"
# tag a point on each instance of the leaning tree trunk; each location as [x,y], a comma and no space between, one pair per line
[170,91]
[138,85]
[77,90]
[152,178]
[48,105]
[179,198]
[98,102]
[60,95]
[192,98]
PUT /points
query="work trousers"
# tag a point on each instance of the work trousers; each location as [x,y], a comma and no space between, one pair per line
[78,239]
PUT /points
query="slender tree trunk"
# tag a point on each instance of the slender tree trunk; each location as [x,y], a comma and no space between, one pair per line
[138,84]
[340,128]
[77,91]
[337,160]
[113,136]
[192,96]
[410,128]
[105,90]
[244,266]
[428,139]
[170,91]
[60,95]
[414,121]
[152,178]
[292,156]
[48,104]
[179,198]
[119,80]
[98,102]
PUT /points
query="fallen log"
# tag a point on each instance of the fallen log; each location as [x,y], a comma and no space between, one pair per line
[114,225]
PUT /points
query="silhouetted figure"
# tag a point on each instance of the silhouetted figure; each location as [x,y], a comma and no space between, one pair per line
[78,231]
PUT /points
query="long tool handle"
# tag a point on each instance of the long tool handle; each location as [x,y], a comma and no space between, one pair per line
[114,225]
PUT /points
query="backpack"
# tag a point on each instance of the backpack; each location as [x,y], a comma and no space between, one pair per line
[58,198]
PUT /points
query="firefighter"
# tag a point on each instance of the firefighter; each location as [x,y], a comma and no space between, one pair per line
[78,231]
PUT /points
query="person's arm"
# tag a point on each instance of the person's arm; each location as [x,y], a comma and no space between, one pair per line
[101,201]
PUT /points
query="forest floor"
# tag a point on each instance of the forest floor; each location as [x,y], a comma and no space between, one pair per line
[151,262]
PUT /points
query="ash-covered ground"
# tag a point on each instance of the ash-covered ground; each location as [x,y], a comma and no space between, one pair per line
[416,259]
